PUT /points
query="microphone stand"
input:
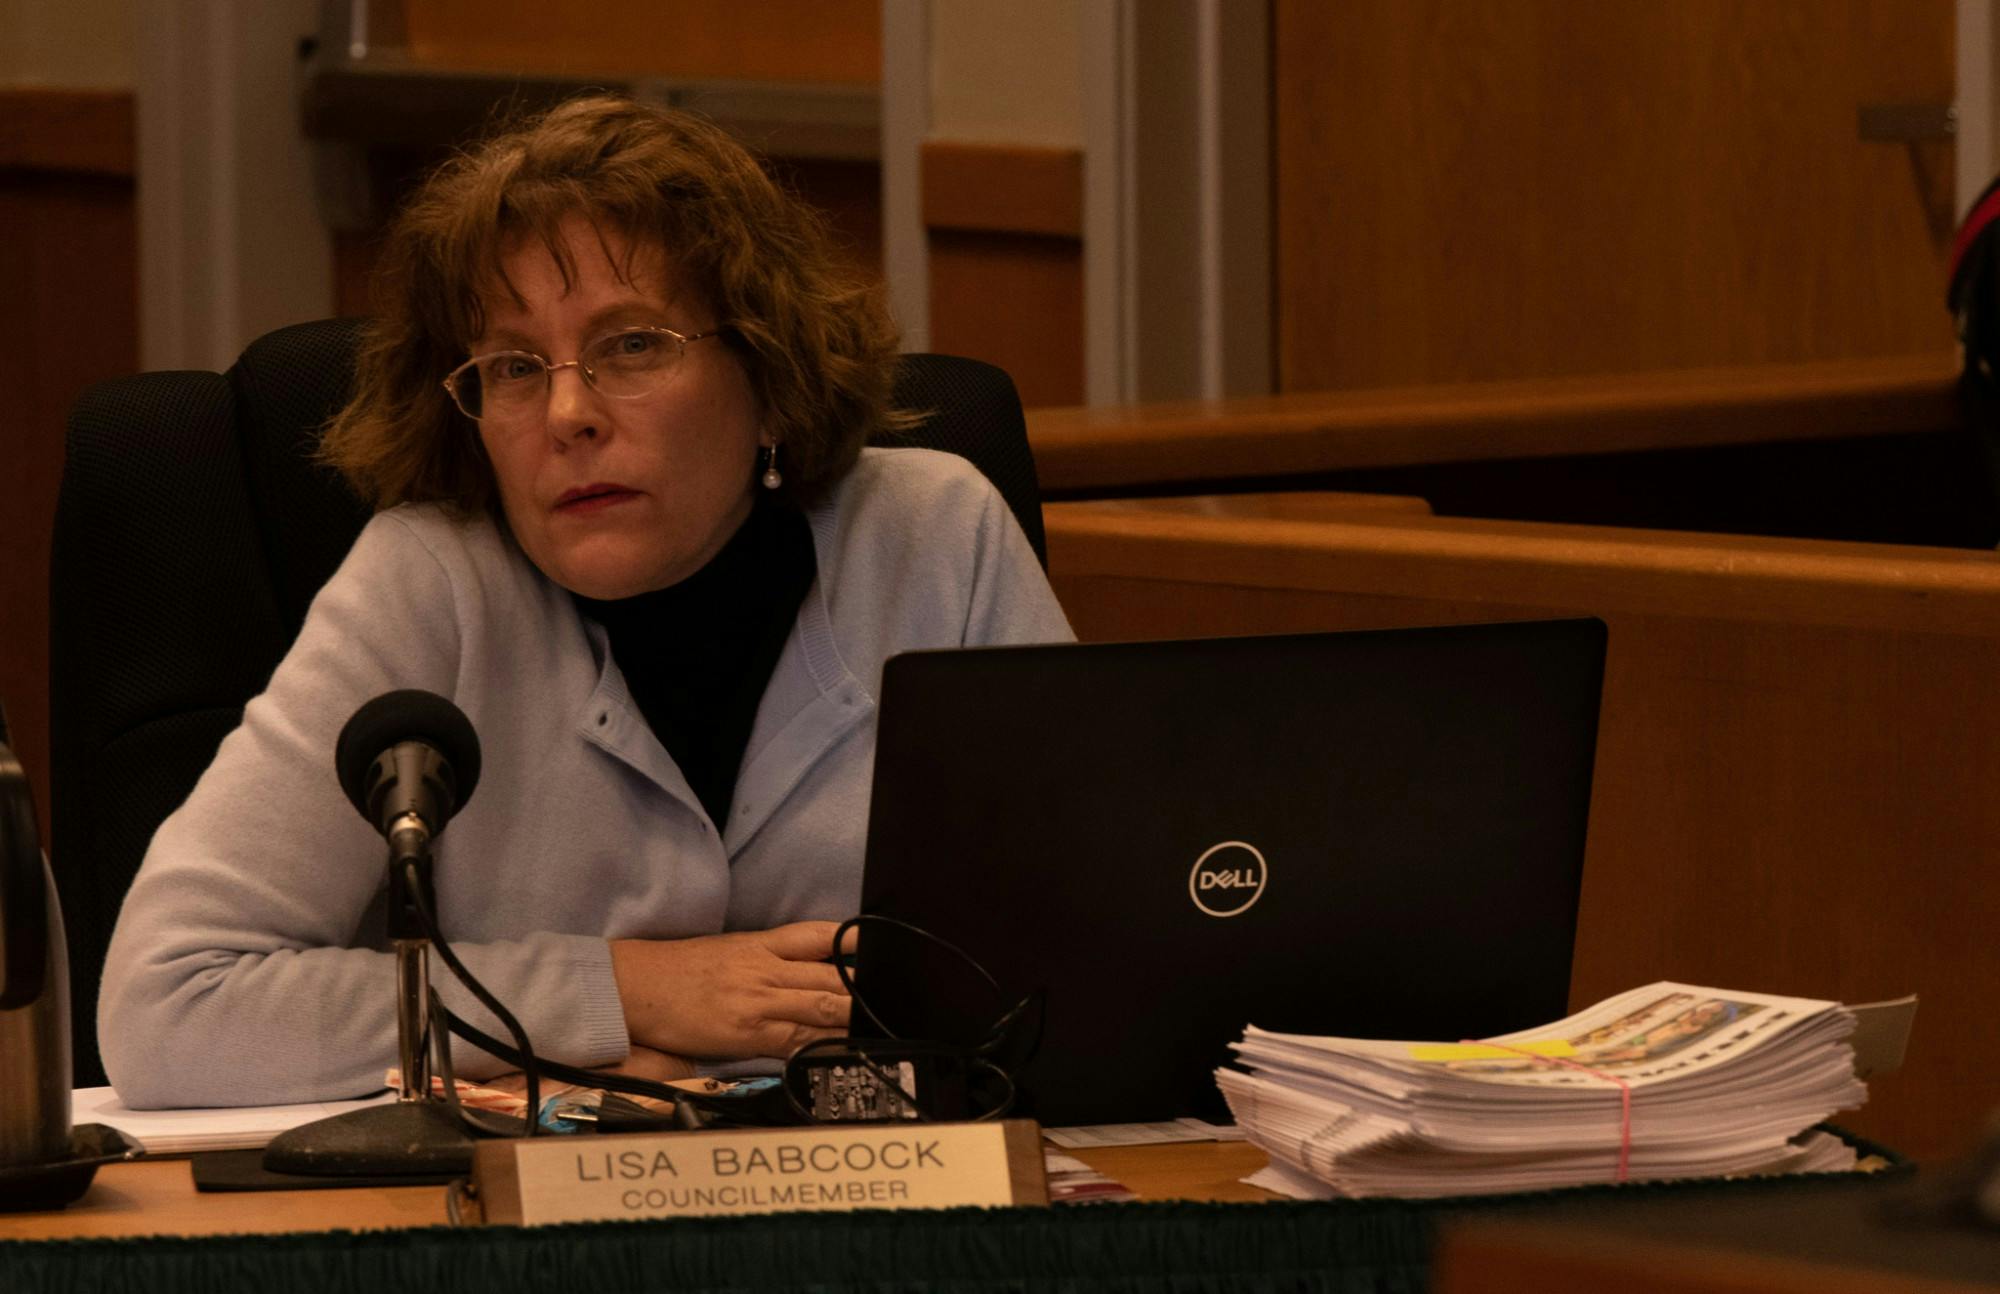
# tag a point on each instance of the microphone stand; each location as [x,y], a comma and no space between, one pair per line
[410,864]
[420,1134]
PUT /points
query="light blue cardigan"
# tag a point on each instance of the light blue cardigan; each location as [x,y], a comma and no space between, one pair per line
[246,966]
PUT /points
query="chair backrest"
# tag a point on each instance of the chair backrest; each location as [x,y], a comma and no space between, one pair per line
[192,532]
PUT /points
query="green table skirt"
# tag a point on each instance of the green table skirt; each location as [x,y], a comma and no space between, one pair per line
[1347,1246]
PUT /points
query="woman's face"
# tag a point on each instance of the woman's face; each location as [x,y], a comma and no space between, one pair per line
[613,497]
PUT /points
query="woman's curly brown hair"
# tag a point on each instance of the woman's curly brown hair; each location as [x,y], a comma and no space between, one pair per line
[816,339]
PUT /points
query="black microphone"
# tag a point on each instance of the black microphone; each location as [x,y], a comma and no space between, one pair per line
[408,760]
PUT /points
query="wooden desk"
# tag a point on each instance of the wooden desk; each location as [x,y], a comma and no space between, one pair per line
[365,1239]
[157,1197]
[1195,1170]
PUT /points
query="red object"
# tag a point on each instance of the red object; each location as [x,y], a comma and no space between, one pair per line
[1624,1096]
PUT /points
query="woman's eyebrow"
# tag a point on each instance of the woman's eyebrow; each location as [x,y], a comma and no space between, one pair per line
[621,312]
[503,339]
[625,312]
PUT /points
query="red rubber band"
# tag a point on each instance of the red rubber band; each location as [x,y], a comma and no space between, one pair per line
[1624,1096]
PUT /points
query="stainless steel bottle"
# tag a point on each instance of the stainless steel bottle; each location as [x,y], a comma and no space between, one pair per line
[34,987]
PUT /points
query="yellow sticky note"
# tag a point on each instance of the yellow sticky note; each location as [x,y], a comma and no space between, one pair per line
[1486,1051]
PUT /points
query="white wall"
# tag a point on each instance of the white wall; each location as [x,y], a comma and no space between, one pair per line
[231,244]
[1978,58]
[1007,73]
[906,123]
[1177,268]
[970,71]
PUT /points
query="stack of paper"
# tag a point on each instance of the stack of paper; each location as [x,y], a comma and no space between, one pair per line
[1720,1083]
[188,1132]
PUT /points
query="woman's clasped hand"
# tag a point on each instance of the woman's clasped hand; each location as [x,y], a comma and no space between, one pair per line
[749,993]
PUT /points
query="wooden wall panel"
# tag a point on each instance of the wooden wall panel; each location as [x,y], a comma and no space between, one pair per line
[70,132]
[748,40]
[69,281]
[1003,188]
[1484,189]
[1015,300]
[822,42]
[847,193]
[1795,762]
[1006,251]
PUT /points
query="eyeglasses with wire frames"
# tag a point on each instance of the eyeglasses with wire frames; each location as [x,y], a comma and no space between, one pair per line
[511,385]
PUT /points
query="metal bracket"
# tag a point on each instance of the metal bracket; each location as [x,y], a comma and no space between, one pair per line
[1908,123]
[1917,126]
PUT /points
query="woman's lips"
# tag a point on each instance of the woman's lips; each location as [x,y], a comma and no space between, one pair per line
[593,498]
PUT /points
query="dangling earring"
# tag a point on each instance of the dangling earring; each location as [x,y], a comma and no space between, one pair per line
[773,478]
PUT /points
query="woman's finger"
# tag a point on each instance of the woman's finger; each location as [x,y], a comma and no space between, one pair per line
[808,941]
[819,977]
[815,1009]
[798,1035]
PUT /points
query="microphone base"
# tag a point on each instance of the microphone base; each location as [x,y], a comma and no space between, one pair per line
[415,1138]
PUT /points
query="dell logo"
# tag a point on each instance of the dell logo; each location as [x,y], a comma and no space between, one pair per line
[1227,879]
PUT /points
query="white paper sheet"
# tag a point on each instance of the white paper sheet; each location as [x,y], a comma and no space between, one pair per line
[184,1132]
[1141,1134]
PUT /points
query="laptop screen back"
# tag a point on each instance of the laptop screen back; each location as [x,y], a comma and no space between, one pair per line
[1373,834]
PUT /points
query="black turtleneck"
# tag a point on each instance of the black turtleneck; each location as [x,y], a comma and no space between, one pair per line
[698,655]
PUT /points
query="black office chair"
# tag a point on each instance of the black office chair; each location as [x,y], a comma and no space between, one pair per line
[192,532]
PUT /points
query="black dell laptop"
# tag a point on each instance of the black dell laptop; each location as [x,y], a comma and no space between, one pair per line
[1148,846]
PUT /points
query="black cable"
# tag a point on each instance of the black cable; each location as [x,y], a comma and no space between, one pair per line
[976,1054]
[522,1054]
[484,1122]
[996,1032]
[846,975]
[692,1109]
[530,1066]
[628,1084]
[997,1035]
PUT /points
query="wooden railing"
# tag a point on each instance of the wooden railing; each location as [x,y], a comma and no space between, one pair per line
[1119,449]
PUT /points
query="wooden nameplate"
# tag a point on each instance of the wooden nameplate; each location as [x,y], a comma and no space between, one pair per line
[828,1167]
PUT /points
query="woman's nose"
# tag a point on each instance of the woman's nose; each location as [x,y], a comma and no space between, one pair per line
[573,410]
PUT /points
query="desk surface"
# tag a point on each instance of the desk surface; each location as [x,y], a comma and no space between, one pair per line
[157,1197]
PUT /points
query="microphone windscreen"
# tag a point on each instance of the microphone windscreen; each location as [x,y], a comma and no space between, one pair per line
[396,717]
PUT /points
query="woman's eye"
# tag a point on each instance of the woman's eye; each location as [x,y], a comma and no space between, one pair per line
[640,350]
[511,368]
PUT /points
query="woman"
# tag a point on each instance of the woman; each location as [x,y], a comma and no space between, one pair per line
[612,415]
